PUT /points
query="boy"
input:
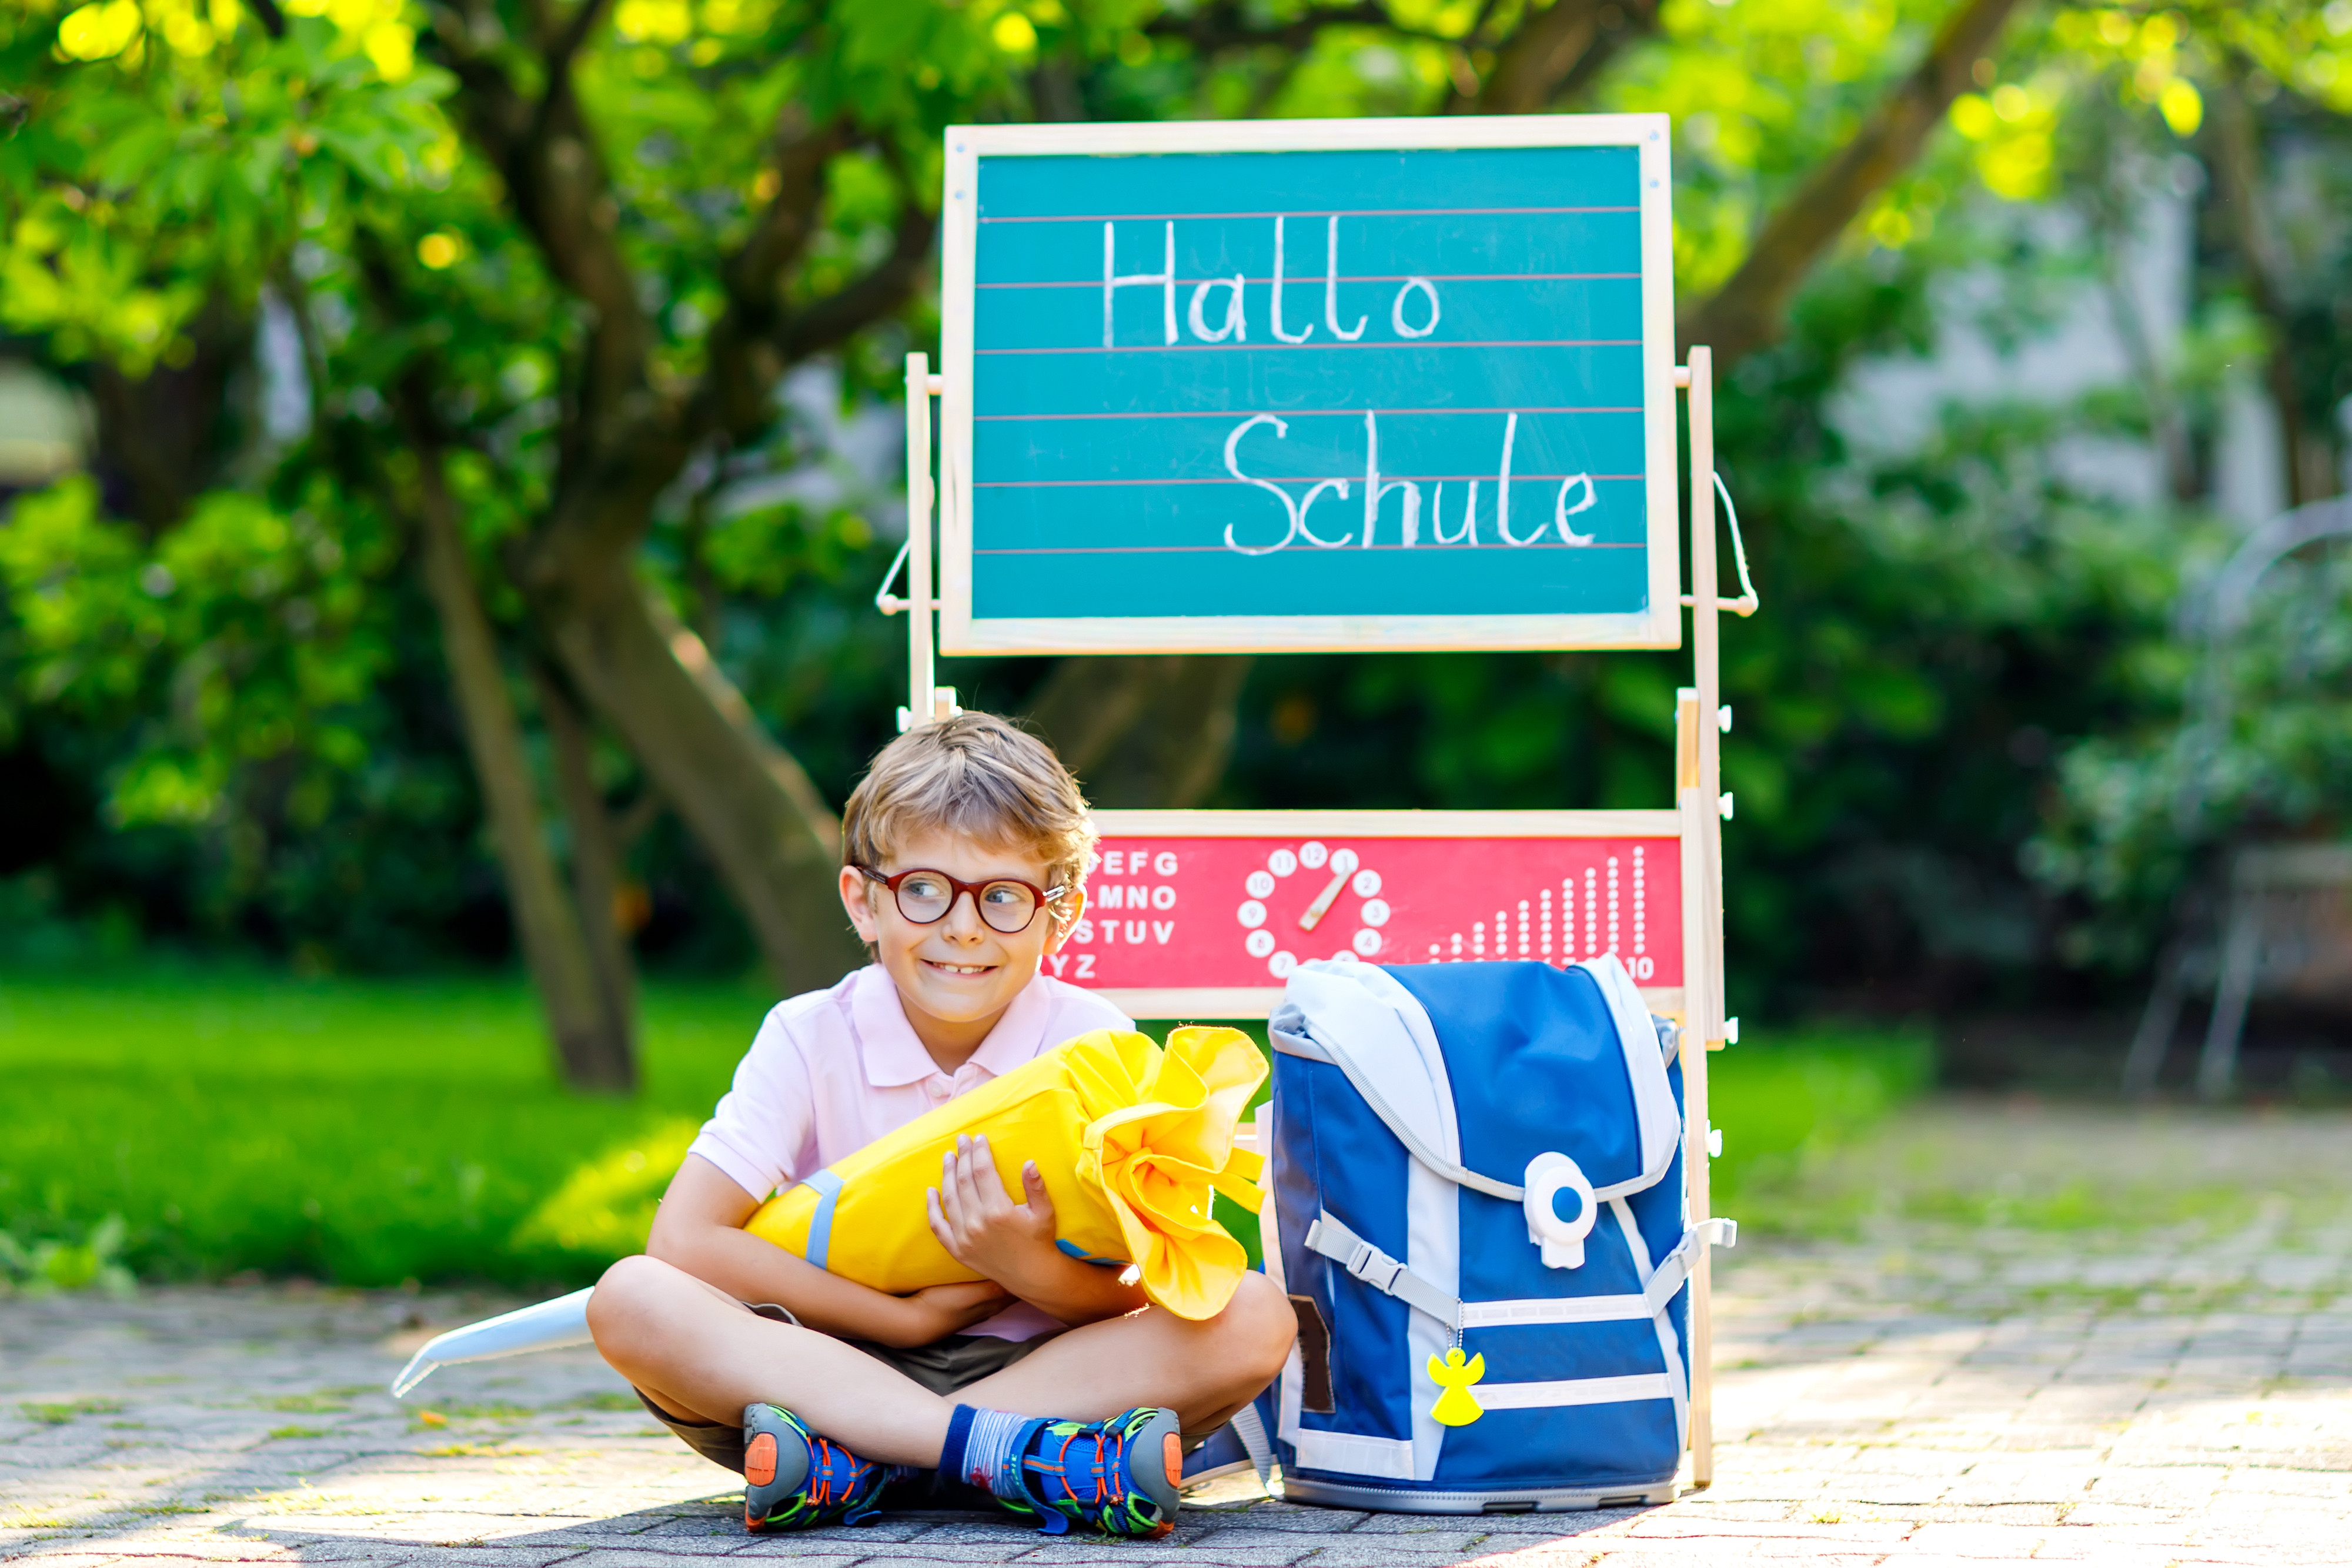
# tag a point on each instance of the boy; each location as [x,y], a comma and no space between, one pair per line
[1049,1382]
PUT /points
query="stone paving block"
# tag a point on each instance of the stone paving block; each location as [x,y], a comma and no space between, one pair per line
[1348,1551]
[924,1548]
[1710,1554]
[1097,1553]
[1511,1527]
[466,1555]
[673,1550]
[2156,1486]
[1277,1515]
[626,1557]
[693,1528]
[1996,1542]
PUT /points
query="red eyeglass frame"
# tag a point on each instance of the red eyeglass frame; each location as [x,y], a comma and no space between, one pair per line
[957,888]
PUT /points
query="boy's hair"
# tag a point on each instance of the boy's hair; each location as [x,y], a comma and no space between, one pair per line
[977,776]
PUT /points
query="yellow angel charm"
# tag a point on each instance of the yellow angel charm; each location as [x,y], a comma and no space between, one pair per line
[1456,1406]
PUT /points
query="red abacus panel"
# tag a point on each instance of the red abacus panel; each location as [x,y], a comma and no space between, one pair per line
[1245,912]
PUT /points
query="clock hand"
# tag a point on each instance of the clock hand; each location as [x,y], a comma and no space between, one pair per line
[1322,904]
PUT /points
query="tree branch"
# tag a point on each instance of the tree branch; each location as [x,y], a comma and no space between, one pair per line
[1567,42]
[743,365]
[860,304]
[563,193]
[1213,29]
[1746,312]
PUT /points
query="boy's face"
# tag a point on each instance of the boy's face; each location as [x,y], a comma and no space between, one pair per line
[959,970]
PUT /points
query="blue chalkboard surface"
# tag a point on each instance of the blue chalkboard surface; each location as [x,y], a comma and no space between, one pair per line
[1277,396]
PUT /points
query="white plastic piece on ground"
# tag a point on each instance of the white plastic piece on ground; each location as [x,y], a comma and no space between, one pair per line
[550,1325]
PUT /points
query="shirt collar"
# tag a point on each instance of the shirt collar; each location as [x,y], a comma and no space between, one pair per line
[895,1056]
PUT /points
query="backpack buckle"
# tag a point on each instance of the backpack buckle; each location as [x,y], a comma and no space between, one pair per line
[1374,1267]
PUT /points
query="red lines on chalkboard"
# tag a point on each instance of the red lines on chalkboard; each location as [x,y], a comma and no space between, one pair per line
[1289,212]
[1323,348]
[1227,549]
[1299,412]
[1288,478]
[1367,277]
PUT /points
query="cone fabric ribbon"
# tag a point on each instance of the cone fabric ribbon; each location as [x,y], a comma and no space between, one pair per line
[1132,1141]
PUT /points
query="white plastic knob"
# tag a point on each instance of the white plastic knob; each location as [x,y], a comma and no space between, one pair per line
[1562,1240]
[1723,718]
[1724,805]
[1714,1143]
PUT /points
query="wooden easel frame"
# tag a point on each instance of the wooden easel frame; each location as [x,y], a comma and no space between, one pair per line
[1700,802]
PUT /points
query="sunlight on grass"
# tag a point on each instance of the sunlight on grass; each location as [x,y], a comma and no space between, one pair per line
[364,1132]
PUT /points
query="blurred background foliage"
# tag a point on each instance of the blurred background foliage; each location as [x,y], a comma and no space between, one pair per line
[276,273]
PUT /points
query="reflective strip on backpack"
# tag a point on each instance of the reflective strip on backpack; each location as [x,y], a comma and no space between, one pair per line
[1575,1390]
[1542,1310]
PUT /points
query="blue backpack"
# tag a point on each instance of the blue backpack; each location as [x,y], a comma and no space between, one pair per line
[1479,1219]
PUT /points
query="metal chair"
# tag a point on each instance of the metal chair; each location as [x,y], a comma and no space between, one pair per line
[2287,932]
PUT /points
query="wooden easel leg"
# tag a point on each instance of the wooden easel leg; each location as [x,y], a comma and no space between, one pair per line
[1704,966]
[922,703]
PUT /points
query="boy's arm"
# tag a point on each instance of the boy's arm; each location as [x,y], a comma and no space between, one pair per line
[1012,1243]
[700,1229]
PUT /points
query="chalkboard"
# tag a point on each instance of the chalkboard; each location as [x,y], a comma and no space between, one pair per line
[1334,384]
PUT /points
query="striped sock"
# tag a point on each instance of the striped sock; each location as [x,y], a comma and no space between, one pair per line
[983,1448]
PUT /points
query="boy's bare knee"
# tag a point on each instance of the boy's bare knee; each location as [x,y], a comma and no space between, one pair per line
[1262,1325]
[622,1305]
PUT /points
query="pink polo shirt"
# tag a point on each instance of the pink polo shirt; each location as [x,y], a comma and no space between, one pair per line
[831,1070]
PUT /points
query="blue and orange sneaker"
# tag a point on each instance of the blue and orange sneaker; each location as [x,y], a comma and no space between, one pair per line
[1120,1476]
[793,1479]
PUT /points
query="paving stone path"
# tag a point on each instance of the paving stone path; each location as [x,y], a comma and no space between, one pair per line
[2167,1380]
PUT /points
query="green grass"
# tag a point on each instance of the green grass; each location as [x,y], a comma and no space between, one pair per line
[369,1132]
[57,1415]
[1789,1098]
[361,1131]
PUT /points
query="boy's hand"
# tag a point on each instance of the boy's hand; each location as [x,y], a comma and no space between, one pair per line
[980,1225]
[938,1310]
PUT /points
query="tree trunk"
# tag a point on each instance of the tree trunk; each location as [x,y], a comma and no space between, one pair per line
[766,830]
[160,436]
[596,864]
[1746,313]
[2238,165]
[546,925]
[1146,730]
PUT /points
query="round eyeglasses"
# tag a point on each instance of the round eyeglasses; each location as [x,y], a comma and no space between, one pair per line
[1007,904]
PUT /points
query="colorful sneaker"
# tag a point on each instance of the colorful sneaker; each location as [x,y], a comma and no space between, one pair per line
[1120,1475]
[793,1479]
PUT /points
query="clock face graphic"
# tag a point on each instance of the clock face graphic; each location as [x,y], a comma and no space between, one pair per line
[1307,900]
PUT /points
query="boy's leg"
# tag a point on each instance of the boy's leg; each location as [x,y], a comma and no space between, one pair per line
[1202,1371]
[695,1352]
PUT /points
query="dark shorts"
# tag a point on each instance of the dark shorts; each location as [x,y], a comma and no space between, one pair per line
[942,1366]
